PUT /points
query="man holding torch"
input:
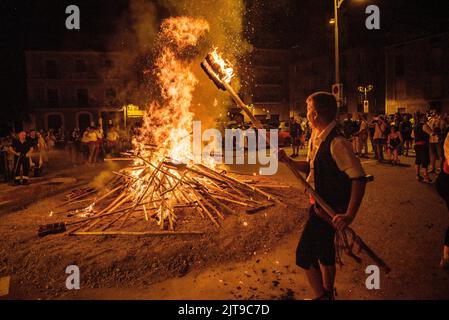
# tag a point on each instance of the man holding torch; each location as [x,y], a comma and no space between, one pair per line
[339,180]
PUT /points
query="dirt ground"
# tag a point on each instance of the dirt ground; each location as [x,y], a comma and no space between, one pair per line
[249,257]
[36,265]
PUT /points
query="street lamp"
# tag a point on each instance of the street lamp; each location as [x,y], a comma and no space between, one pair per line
[365,90]
[334,21]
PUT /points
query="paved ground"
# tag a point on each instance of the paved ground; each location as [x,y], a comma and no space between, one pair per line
[401,219]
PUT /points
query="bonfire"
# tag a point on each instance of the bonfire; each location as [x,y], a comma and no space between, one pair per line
[163,177]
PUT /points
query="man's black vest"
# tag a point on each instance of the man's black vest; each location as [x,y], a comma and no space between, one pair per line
[333,185]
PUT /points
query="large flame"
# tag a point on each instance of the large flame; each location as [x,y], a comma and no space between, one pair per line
[167,126]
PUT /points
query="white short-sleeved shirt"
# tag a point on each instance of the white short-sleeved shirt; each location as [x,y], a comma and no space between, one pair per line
[341,151]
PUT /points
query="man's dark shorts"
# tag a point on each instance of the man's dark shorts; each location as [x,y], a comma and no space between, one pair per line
[316,244]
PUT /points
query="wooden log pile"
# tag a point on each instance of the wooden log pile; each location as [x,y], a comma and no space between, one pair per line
[154,190]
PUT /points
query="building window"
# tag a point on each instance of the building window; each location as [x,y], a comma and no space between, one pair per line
[399,66]
[110,93]
[52,98]
[83,97]
[80,66]
[51,69]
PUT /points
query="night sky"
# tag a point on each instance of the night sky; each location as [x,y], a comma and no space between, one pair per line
[40,25]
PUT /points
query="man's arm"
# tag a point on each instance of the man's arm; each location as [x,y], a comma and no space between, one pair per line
[358,187]
[346,160]
[11,150]
[426,128]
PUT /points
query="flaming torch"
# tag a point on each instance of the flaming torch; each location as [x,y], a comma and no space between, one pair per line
[221,72]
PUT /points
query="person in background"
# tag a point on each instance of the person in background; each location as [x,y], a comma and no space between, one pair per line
[112,139]
[355,129]
[435,151]
[360,142]
[50,139]
[371,131]
[35,164]
[43,157]
[73,146]
[348,127]
[99,148]
[405,127]
[421,133]
[380,127]
[92,142]
[85,144]
[394,143]
[22,151]
[5,158]
[308,132]
[442,185]
[302,123]
[295,135]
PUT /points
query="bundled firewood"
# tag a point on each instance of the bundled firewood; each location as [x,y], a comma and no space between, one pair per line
[154,190]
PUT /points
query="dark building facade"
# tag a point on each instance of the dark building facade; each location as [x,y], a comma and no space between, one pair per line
[358,67]
[68,89]
[417,75]
[266,83]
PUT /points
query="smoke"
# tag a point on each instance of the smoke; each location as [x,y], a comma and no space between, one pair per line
[136,35]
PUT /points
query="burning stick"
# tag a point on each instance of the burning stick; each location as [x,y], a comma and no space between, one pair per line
[221,73]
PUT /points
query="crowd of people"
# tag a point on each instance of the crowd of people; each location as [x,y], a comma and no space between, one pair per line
[334,168]
[389,138]
[26,153]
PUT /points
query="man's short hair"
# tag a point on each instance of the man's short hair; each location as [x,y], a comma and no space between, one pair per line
[325,105]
